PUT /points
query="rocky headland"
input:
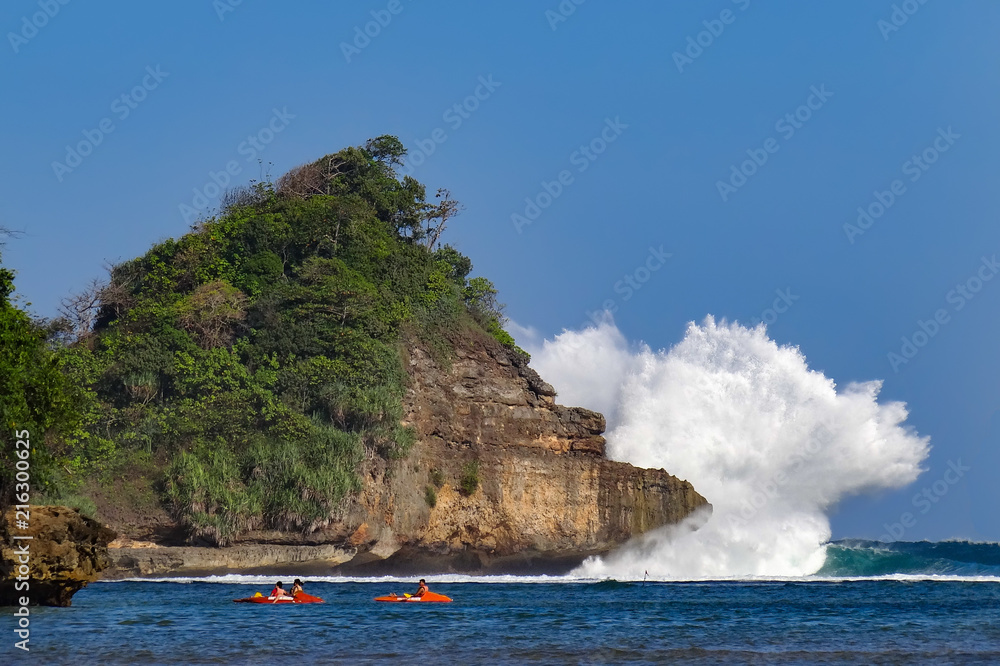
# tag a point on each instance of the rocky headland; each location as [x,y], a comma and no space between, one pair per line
[312,381]
[500,479]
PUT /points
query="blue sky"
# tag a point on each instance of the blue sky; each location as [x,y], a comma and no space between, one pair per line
[210,85]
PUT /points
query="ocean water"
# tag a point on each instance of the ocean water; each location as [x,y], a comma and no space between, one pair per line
[871,604]
[773,445]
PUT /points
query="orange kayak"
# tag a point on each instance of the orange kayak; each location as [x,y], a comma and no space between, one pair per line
[300,598]
[427,596]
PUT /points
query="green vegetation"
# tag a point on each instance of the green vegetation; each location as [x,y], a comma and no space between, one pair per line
[430,496]
[36,398]
[469,481]
[254,362]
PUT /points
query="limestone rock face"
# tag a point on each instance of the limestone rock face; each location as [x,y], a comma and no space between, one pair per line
[67,550]
[545,491]
[490,399]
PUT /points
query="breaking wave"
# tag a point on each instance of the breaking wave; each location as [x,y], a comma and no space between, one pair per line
[770,443]
[855,557]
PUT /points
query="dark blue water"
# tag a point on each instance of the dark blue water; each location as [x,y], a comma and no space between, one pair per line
[803,622]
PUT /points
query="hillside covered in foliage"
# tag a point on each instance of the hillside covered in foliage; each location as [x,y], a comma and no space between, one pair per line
[250,366]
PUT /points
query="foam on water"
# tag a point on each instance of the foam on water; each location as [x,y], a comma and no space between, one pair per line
[261,579]
[847,560]
[770,443]
[239,579]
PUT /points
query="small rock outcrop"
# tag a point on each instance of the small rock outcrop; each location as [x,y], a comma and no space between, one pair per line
[66,551]
[152,560]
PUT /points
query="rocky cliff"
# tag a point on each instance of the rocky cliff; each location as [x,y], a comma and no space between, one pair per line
[501,478]
[65,552]
[546,495]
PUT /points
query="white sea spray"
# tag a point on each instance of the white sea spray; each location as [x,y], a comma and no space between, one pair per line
[770,443]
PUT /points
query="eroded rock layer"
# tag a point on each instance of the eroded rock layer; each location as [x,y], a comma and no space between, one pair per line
[545,493]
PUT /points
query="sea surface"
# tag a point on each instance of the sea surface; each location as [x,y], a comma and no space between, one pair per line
[872,604]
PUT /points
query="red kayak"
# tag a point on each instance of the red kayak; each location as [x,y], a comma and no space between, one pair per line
[300,598]
[426,597]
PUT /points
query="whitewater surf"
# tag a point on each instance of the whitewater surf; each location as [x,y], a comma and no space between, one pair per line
[771,443]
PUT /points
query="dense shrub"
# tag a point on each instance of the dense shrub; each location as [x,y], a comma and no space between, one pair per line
[469,481]
[38,404]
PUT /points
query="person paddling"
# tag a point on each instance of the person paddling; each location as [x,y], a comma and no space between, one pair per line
[278,591]
[421,590]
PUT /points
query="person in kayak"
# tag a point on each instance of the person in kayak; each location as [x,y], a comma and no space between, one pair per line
[278,591]
[421,590]
[296,587]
